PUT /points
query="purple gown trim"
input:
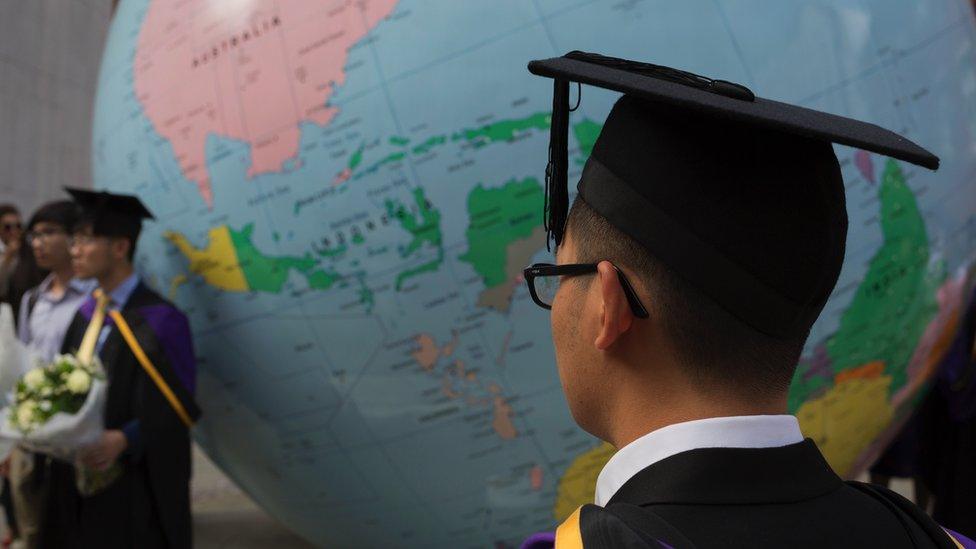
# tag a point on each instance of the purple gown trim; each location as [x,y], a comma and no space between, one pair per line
[963,540]
[542,540]
[173,332]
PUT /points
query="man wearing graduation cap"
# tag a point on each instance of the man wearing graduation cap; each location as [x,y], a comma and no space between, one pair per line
[145,346]
[707,234]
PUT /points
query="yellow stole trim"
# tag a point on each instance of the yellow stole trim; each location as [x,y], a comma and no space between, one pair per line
[86,352]
[568,535]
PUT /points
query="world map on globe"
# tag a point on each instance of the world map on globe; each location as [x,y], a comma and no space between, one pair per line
[346,193]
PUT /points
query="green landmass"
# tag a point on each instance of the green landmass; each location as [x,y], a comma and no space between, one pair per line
[426,146]
[428,267]
[267,273]
[498,217]
[322,280]
[365,294]
[424,226]
[389,159]
[586,132]
[504,130]
[897,298]
[333,252]
[356,159]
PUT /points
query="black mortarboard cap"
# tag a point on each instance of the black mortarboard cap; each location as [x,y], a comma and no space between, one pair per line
[739,195]
[111,214]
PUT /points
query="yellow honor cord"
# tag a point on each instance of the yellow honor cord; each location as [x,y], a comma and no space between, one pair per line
[164,388]
[568,535]
[86,352]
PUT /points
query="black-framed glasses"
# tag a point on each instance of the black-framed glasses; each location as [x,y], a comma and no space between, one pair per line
[543,280]
[81,239]
[41,235]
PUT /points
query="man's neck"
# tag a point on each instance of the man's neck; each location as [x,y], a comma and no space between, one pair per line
[115,278]
[60,278]
[637,412]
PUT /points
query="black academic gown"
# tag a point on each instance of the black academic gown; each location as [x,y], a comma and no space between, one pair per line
[149,506]
[727,497]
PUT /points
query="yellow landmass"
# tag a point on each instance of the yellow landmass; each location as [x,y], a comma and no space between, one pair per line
[845,420]
[578,485]
[217,263]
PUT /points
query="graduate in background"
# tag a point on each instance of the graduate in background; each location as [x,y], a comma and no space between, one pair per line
[708,232]
[147,435]
[46,311]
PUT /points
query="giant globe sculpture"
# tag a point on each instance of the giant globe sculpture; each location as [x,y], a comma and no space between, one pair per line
[347,191]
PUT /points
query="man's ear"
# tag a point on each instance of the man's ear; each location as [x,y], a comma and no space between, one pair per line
[120,248]
[617,316]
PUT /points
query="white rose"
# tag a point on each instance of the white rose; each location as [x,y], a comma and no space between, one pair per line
[25,414]
[34,378]
[79,381]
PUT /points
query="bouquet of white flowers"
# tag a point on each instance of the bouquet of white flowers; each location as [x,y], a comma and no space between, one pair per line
[58,408]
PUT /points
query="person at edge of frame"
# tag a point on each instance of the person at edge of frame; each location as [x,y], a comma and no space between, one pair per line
[144,453]
[708,231]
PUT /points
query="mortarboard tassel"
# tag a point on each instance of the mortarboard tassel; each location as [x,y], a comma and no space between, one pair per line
[557,193]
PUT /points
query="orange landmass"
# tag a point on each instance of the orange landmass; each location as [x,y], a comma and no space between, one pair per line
[867,371]
[502,422]
[427,352]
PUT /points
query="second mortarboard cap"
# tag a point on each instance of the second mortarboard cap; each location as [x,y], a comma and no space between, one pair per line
[739,195]
[111,214]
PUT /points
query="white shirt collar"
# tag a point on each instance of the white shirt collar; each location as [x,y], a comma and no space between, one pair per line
[716,432]
[75,286]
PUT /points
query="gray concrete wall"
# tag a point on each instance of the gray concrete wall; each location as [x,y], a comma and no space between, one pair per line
[49,58]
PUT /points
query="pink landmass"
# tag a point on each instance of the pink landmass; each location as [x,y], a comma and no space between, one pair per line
[535,477]
[342,177]
[251,73]
[862,159]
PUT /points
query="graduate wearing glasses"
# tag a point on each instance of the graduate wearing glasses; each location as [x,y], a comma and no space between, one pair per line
[144,343]
[708,231]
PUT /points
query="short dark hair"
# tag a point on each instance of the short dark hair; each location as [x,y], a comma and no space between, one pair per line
[8,208]
[61,212]
[717,349]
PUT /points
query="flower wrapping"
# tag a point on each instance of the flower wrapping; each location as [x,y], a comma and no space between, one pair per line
[57,409]
[15,358]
